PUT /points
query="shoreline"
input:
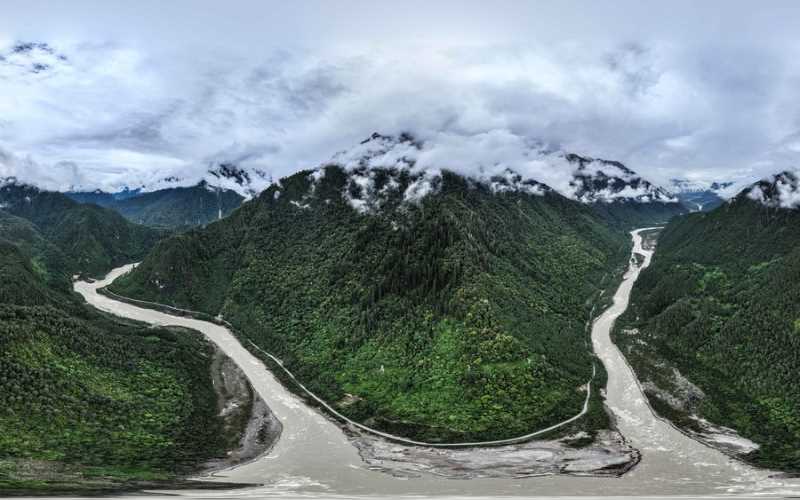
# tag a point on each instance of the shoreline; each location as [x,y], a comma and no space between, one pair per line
[608,455]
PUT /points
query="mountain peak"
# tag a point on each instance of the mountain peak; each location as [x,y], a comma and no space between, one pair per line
[503,162]
[599,180]
[246,182]
[781,190]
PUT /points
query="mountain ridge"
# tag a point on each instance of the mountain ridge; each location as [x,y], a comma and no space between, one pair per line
[712,329]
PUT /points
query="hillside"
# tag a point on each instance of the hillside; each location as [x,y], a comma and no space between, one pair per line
[713,325]
[88,402]
[174,207]
[92,239]
[433,307]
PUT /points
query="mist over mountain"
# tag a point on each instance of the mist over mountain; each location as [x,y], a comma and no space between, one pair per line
[703,196]
[778,191]
[504,163]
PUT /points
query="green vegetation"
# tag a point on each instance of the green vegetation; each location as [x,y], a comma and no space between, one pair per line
[720,303]
[97,393]
[173,208]
[460,318]
[87,401]
[91,239]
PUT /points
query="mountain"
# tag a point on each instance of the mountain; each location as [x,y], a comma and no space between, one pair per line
[611,189]
[608,181]
[246,182]
[780,191]
[92,239]
[619,194]
[74,409]
[430,305]
[89,403]
[176,207]
[102,198]
[700,196]
[713,329]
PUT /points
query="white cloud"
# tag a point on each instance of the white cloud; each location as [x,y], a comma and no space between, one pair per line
[658,88]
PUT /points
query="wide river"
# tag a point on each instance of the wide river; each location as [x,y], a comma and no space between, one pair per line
[315,458]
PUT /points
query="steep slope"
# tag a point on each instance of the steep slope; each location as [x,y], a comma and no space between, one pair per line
[93,239]
[87,402]
[435,307]
[178,207]
[20,283]
[47,260]
[714,325]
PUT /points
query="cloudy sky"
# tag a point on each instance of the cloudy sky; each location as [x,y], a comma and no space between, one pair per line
[115,93]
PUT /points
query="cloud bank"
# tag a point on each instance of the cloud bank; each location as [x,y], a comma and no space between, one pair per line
[96,102]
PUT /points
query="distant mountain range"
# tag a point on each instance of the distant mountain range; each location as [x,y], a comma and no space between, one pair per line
[169,203]
[178,207]
[610,186]
[701,196]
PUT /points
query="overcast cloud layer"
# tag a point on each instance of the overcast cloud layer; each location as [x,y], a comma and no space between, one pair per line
[123,94]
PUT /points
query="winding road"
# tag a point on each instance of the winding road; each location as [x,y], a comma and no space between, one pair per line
[315,457]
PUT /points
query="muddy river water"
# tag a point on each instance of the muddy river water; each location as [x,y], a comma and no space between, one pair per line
[314,457]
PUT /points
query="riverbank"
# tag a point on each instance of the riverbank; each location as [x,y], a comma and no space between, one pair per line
[315,457]
[564,448]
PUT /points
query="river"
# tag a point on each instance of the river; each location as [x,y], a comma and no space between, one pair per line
[314,457]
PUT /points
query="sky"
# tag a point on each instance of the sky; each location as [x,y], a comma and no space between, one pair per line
[123,93]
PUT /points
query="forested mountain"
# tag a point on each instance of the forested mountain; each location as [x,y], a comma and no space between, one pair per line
[436,307]
[87,401]
[714,323]
[90,238]
[174,207]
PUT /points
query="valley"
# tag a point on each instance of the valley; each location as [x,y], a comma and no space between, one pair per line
[672,463]
[712,330]
[418,250]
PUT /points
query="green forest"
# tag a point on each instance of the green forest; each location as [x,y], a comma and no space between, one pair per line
[91,239]
[721,303]
[459,318]
[89,402]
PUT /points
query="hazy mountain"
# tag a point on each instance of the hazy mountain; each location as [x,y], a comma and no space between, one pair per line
[701,196]
[176,207]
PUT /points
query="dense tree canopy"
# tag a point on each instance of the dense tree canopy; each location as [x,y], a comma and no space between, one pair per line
[461,317]
[721,303]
